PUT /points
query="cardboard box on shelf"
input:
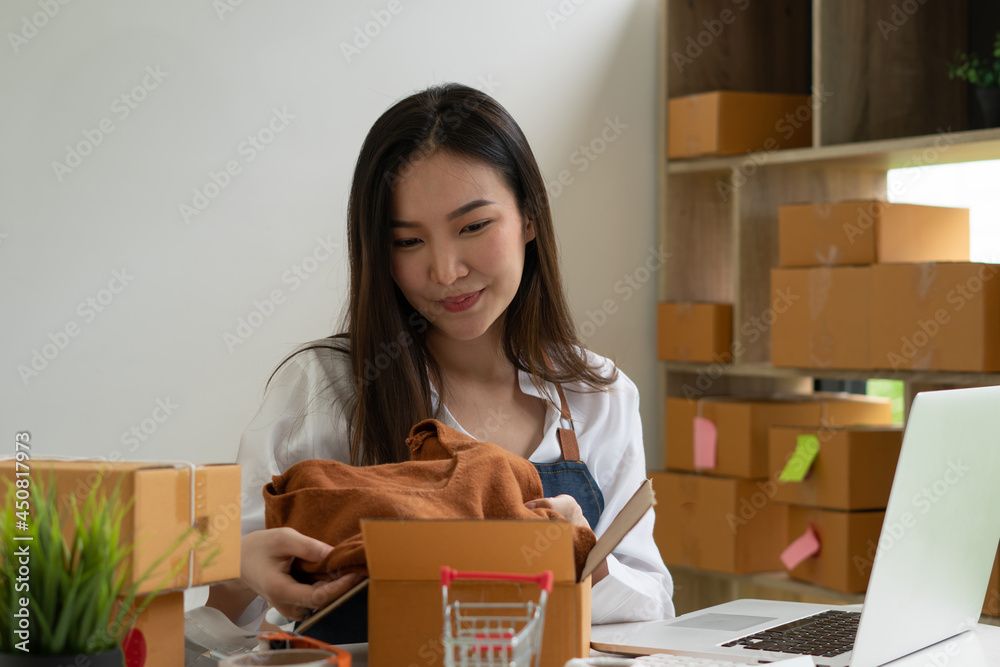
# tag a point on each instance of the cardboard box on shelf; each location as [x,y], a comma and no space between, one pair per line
[991,605]
[936,316]
[694,331]
[853,469]
[742,426]
[404,591]
[847,546]
[869,232]
[165,503]
[827,325]
[729,123]
[717,523]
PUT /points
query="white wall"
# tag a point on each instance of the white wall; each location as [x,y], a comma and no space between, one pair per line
[203,76]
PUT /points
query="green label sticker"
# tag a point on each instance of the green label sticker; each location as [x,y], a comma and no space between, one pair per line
[801,460]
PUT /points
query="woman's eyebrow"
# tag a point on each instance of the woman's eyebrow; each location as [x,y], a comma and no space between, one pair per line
[465,208]
[457,213]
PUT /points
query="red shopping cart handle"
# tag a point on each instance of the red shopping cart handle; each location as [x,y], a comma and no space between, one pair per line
[543,579]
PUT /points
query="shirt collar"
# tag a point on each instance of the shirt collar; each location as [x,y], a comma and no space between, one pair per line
[544,451]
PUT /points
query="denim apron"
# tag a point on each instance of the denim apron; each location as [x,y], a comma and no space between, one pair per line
[570,475]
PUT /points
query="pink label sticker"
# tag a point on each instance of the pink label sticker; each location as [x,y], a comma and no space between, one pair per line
[705,435]
[803,547]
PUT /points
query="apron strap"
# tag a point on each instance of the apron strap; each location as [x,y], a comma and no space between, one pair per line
[566,436]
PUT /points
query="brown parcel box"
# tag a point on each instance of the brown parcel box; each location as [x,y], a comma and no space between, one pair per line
[847,546]
[717,523]
[161,512]
[942,317]
[743,426]
[828,325]
[162,628]
[727,123]
[866,232]
[694,331]
[991,605]
[853,470]
[404,566]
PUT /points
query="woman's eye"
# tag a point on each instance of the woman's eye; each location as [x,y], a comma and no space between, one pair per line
[405,243]
[476,226]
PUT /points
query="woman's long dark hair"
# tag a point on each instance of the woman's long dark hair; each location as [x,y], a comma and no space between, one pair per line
[384,336]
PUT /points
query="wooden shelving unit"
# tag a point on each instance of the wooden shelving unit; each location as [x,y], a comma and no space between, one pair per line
[887,103]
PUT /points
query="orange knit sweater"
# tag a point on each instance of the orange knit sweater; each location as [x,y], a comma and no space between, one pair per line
[448,476]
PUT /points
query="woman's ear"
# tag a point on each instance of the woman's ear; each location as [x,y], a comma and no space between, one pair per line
[529,231]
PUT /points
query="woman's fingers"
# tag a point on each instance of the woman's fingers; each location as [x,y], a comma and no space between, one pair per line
[563,504]
[267,557]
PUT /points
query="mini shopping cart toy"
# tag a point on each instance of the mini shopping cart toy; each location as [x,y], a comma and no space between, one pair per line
[481,634]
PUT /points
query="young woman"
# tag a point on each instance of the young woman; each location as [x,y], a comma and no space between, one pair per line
[456,312]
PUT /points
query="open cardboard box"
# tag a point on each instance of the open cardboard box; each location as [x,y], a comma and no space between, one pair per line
[405,556]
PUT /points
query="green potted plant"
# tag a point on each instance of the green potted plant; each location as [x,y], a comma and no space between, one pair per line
[72,596]
[984,75]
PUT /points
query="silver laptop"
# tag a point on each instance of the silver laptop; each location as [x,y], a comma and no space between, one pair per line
[931,567]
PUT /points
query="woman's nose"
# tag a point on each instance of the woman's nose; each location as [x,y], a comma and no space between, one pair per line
[446,265]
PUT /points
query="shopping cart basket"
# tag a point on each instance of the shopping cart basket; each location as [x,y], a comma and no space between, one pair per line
[480,634]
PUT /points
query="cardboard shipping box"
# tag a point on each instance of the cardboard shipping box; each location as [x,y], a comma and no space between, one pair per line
[937,316]
[742,426]
[694,331]
[852,471]
[729,123]
[717,523]
[869,232]
[847,546]
[161,626]
[166,502]
[827,326]
[405,614]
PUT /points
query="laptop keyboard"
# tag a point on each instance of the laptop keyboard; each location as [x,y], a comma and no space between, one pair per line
[826,634]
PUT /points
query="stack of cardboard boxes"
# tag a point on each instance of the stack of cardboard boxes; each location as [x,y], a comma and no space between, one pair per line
[836,484]
[884,286]
[717,502]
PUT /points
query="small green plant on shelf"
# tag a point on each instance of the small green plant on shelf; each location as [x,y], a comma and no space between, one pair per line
[978,72]
[985,76]
[79,596]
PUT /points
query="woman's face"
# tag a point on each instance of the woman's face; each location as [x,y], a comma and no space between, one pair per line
[457,243]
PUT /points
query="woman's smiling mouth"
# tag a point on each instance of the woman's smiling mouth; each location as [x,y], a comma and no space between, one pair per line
[459,303]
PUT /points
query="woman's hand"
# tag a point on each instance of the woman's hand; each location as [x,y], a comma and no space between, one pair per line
[565,505]
[265,566]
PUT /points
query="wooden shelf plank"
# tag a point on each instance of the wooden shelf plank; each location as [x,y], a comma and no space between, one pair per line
[765,370]
[943,148]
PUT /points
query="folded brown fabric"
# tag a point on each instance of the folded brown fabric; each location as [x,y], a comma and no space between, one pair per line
[449,476]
